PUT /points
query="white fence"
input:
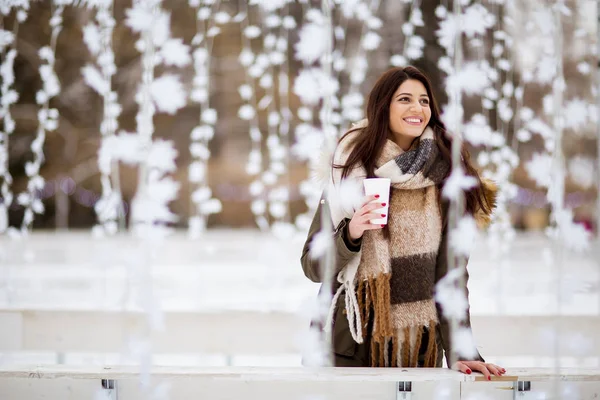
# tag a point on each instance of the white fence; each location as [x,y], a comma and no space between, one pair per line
[123,383]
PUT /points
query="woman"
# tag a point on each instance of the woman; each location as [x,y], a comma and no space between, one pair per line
[384,312]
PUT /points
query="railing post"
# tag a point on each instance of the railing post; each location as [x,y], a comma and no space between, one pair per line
[404,391]
[110,388]
[522,390]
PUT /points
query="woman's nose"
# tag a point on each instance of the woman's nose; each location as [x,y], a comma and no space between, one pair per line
[415,106]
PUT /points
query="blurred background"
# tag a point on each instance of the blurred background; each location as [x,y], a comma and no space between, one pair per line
[508,47]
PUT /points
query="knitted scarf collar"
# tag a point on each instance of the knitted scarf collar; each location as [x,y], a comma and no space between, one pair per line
[389,284]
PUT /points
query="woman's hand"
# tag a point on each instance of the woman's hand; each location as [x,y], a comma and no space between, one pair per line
[486,369]
[360,221]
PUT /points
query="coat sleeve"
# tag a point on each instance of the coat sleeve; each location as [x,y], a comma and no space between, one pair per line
[441,270]
[344,250]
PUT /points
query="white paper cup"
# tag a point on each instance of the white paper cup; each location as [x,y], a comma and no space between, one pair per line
[380,186]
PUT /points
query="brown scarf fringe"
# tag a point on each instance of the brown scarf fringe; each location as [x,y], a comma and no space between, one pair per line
[431,354]
[386,345]
[375,292]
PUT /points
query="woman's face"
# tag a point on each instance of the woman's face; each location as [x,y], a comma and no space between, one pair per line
[409,111]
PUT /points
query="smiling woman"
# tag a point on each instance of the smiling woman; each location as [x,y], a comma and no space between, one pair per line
[383,312]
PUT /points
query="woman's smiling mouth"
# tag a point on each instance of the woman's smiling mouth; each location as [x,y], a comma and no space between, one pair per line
[413,120]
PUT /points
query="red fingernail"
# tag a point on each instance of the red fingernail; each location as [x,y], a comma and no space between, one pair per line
[489,378]
[376,196]
[383,204]
[382,215]
[469,371]
[382,225]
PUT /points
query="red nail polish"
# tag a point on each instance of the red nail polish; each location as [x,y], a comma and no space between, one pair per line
[382,215]
[382,225]
[383,204]
[489,378]
[376,196]
[469,371]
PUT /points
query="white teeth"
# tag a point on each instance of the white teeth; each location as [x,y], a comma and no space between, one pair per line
[415,120]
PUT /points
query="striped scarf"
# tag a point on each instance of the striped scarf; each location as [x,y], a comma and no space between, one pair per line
[394,278]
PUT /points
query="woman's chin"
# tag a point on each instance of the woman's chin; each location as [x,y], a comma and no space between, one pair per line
[415,133]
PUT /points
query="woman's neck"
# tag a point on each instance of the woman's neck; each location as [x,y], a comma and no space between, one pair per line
[404,142]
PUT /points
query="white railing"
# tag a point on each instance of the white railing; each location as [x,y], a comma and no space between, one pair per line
[123,383]
[268,333]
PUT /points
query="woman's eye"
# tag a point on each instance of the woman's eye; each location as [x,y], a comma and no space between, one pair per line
[426,102]
[404,99]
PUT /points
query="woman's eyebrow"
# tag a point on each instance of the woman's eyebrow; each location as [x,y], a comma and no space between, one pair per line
[410,94]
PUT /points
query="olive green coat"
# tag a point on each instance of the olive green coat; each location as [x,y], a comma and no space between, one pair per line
[348,353]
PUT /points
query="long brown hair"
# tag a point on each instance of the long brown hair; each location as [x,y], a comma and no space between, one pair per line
[369,142]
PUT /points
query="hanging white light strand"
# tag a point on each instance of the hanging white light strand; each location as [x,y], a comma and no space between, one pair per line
[48,122]
[502,156]
[456,202]
[8,96]
[596,111]
[145,125]
[265,63]
[314,84]
[547,168]
[319,352]
[203,203]
[412,49]
[150,213]
[568,235]
[276,153]
[497,158]
[462,229]
[370,40]
[270,61]
[98,38]
[279,197]
[156,158]
[254,67]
